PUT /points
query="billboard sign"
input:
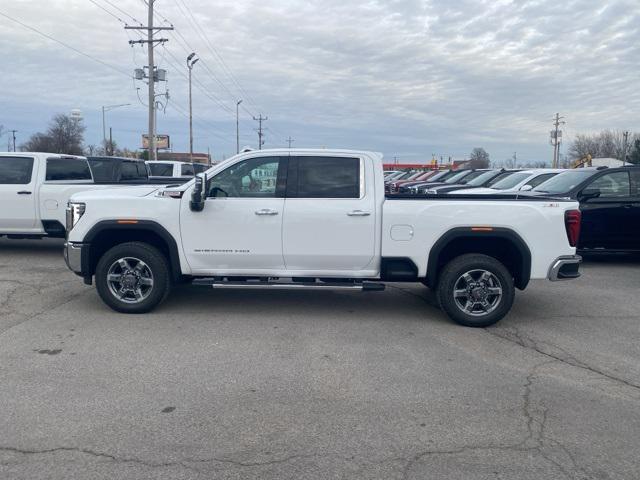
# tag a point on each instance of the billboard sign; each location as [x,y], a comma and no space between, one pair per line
[162,142]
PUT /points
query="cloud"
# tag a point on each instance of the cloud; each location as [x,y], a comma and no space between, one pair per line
[409,78]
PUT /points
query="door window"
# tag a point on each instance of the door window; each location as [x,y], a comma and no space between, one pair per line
[327,177]
[262,177]
[133,172]
[15,170]
[68,169]
[611,185]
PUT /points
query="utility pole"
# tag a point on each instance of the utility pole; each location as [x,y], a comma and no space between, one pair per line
[625,136]
[13,134]
[238,126]
[290,141]
[106,108]
[110,153]
[556,136]
[260,119]
[152,76]
[515,159]
[190,64]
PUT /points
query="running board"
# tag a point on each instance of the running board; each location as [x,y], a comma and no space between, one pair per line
[215,283]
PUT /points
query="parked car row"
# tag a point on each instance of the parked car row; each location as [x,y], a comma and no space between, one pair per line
[609,197]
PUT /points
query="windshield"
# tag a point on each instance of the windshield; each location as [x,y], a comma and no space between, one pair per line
[499,178]
[437,176]
[479,180]
[564,182]
[471,176]
[456,177]
[511,181]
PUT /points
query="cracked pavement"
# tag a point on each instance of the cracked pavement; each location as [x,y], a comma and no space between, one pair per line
[315,385]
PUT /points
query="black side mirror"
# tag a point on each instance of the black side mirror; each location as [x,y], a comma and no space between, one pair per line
[588,195]
[198,196]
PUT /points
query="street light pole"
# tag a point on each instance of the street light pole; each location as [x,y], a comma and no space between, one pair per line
[190,64]
[106,108]
[238,126]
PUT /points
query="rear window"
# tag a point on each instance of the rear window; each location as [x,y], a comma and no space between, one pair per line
[133,171]
[158,169]
[103,170]
[15,170]
[67,169]
[328,177]
[186,169]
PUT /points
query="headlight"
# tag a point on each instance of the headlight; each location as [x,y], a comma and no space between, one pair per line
[75,210]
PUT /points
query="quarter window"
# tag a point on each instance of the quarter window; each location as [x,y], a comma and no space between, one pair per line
[67,169]
[257,177]
[328,177]
[614,184]
[15,170]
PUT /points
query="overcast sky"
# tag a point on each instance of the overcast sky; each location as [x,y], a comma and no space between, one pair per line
[407,78]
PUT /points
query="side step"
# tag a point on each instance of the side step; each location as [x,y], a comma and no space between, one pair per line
[282,284]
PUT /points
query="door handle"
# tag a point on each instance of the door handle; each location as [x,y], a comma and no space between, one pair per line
[24,192]
[358,213]
[266,211]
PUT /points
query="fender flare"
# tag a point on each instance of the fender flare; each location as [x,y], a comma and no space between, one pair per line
[140,226]
[467,232]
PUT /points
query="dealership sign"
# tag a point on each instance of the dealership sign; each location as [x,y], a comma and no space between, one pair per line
[162,142]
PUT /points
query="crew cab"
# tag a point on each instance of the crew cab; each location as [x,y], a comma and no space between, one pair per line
[316,219]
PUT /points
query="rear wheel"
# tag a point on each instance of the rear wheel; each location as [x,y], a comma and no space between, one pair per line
[133,277]
[475,290]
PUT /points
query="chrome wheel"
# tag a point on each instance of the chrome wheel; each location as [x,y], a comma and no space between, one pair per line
[130,280]
[477,292]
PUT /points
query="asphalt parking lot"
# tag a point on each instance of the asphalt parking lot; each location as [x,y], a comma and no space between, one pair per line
[315,385]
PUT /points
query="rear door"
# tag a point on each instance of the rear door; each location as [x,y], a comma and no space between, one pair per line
[17,194]
[607,220]
[329,217]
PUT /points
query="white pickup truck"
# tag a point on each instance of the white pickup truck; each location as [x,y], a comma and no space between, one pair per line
[35,189]
[317,219]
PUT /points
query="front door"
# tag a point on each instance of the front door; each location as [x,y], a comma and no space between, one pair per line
[240,228]
[329,218]
[607,220]
[17,194]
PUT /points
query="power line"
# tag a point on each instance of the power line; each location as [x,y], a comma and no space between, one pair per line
[108,12]
[33,29]
[123,12]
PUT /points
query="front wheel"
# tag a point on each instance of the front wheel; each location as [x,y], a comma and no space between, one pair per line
[133,277]
[475,290]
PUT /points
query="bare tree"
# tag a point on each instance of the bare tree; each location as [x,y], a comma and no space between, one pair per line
[64,135]
[605,144]
[479,158]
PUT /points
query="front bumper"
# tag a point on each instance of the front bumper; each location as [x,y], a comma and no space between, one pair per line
[566,267]
[73,255]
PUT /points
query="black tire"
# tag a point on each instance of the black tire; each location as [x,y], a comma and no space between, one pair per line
[482,293]
[156,267]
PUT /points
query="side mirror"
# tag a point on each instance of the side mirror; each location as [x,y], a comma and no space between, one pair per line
[588,195]
[198,196]
[526,188]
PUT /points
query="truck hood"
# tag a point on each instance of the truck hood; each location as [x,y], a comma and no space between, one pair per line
[124,191]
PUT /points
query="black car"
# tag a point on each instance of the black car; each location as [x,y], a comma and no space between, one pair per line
[118,170]
[482,178]
[609,201]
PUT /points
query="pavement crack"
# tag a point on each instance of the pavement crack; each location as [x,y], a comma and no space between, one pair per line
[517,338]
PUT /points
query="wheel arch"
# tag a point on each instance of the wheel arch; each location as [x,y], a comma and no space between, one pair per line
[109,233]
[501,243]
